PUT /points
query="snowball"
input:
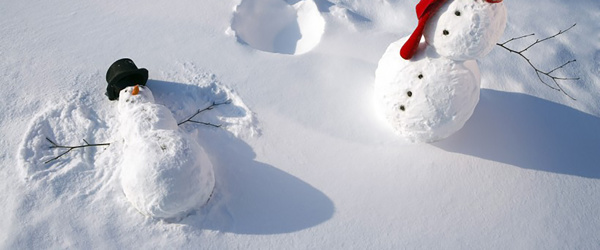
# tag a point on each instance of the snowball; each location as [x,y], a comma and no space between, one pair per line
[164,173]
[427,98]
[466,29]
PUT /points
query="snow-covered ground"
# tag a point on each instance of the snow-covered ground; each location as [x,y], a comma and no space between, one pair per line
[302,160]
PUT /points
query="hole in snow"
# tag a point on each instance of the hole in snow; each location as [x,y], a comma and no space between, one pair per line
[287,27]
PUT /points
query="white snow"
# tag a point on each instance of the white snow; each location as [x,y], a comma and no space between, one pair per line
[279,26]
[302,160]
[466,29]
[165,173]
[427,98]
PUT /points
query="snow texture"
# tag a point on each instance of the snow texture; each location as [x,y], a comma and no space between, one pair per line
[65,121]
[277,26]
[80,116]
[165,173]
[301,161]
[427,98]
[466,29]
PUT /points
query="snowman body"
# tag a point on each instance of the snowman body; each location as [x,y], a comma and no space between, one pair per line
[164,173]
[427,98]
[466,29]
[432,90]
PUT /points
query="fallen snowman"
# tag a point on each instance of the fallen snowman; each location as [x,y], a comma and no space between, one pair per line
[164,173]
[430,90]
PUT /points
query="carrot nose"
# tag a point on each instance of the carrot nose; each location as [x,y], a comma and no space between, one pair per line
[136,90]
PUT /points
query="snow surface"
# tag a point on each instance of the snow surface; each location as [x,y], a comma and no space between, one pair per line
[302,160]
[277,26]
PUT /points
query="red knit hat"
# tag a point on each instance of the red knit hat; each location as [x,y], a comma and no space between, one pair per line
[425,10]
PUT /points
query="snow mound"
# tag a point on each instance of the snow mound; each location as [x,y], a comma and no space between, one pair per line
[165,173]
[427,98]
[278,26]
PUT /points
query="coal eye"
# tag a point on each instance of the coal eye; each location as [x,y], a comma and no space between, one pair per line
[402,108]
[420,76]
[446,32]
[457,13]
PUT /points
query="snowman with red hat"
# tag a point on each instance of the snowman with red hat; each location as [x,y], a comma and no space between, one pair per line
[427,84]
[164,174]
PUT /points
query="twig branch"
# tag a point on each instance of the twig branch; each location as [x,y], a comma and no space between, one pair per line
[206,123]
[87,144]
[554,80]
[516,38]
[212,106]
[69,148]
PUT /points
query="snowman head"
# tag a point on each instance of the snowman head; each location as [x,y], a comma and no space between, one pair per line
[466,29]
[457,29]
[135,95]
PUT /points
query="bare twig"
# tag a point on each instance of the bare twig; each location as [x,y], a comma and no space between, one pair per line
[206,123]
[212,106]
[69,148]
[554,79]
[87,144]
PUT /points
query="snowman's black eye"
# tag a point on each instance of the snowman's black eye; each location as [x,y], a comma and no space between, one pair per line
[446,32]
[409,93]
[420,76]
[457,13]
[402,108]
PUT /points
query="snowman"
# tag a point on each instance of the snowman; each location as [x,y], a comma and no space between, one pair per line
[164,173]
[430,90]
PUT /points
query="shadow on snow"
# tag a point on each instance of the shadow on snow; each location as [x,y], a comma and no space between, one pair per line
[251,197]
[531,133]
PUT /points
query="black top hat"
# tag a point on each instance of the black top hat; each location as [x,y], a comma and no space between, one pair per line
[121,74]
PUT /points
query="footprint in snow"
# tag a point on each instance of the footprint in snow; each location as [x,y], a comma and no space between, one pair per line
[287,27]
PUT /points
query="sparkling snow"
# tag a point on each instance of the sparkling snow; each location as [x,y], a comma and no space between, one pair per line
[302,160]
